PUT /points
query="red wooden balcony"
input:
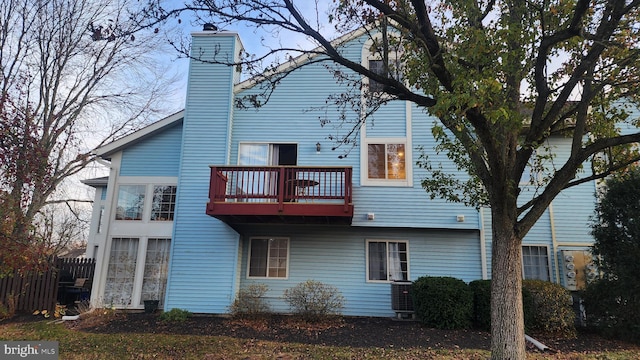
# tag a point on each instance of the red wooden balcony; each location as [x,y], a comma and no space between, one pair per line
[281,194]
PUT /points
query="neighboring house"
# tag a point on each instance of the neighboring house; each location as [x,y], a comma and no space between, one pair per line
[216,197]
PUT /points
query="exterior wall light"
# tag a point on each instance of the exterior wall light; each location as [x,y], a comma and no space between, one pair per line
[318,147]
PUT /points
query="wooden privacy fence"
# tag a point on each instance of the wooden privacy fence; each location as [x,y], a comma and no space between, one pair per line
[38,291]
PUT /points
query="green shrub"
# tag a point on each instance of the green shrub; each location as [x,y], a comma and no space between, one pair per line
[481,290]
[529,309]
[611,311]
[314,300]
[175,315]
[250,301]
[612,302]
[443,302]
[551,308]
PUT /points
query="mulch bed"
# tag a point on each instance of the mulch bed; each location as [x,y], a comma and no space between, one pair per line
[342,331]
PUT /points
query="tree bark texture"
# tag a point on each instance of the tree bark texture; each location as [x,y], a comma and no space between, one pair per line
[507,315]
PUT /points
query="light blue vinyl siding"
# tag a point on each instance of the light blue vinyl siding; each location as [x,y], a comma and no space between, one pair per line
[573,209]
[388,121]
[154,156]
[293,115]
[209,259]
[284,120]
[337,256]
[204,250]
[570,212]
[412,206]
[574,206]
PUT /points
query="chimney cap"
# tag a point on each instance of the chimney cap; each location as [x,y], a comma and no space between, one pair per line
[209,27]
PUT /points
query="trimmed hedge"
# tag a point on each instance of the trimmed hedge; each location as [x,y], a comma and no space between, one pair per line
[443,302]
[612,310]
[481,290]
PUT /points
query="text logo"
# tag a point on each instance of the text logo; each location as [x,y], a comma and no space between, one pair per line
[38,350]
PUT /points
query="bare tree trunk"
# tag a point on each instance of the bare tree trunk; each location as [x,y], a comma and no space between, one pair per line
[507,315]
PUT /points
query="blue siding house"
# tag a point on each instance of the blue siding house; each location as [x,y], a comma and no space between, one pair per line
[217,197]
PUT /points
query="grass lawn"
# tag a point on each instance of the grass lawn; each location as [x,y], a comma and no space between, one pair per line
[78,344]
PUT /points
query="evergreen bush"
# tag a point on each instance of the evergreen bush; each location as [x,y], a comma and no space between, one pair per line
[481,290]
[613,300]
[175,315]
[443,302]
[611,311]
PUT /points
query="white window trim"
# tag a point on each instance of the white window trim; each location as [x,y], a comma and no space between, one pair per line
[367,56]
[138,278]
[270,150]
[267,276]
[151,188]
[385,241]
[549,270]
[364,140]
[149,184]
[364,161]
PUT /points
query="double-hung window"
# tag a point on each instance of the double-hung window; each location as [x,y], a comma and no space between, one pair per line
[386,161]
[535,262]
[268,257]
[387,260]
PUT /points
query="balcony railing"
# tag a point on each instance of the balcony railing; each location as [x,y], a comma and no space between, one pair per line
[286,194]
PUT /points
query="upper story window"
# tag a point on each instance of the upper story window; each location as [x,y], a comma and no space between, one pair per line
[164,202]
[535,262]
[386,153]
[376,66]
[268,257]
[133,205]
[130,202]
[387,260]
[386,161]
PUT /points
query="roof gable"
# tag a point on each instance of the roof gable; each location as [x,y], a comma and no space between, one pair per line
[109,149]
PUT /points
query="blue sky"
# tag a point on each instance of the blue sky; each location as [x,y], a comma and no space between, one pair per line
[255,41]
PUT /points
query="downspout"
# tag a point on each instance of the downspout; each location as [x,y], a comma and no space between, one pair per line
[554,243]
[536,343]
[483,244]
